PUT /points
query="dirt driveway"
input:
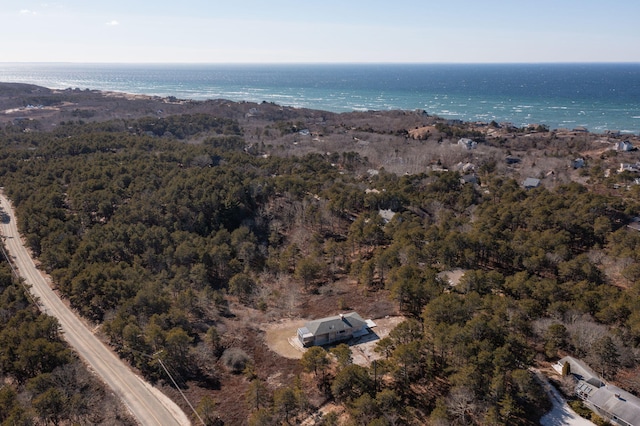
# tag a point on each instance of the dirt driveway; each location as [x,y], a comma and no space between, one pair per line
[281,338]
[278,336]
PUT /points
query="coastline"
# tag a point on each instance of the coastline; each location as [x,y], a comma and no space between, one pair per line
[596,96]
[30,112]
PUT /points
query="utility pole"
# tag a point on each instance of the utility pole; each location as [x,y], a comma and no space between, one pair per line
[176,385]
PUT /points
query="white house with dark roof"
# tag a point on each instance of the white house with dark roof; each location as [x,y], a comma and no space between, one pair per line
[333,329]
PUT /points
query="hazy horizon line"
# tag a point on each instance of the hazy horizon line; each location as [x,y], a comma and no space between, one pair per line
[320,63]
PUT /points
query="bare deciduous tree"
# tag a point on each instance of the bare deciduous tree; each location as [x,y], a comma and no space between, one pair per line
[462,405]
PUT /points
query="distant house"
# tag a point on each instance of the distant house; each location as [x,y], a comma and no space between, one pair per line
[512,160]
[581,371]
[333,329]
[467,143]
[625,167]
[470,178]
[438,168]
[635,223]
[464,167]
[530,183]
[386,215]
[616,405]
[624,146]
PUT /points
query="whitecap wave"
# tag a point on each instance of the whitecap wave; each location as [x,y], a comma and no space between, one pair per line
[346,90]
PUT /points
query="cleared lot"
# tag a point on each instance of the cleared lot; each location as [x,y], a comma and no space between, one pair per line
[281,338]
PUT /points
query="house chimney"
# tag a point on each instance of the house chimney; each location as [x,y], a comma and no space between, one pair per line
[341,316]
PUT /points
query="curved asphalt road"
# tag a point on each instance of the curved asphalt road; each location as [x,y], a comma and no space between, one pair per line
[147,404]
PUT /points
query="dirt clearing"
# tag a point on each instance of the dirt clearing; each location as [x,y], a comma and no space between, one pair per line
[279,334]
[281,338]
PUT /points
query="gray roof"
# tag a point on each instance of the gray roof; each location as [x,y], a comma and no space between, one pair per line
[617,402]
[336,323]
[635,223]
[582,371]
[624,146]
[470,178]
[531,183]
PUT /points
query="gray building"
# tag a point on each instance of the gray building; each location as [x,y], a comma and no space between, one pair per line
[329,330]
[530,183]
[616,405]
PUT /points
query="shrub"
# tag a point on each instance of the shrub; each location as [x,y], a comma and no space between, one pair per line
[580,408]
[235,359]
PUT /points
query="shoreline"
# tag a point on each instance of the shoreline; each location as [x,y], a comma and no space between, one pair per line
[21,113]
[516,93]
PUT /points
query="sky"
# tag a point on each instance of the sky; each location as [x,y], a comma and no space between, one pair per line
[327,31]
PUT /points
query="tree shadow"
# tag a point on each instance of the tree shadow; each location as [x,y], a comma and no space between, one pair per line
[208,382]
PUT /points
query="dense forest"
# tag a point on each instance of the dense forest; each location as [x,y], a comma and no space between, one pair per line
[165,231]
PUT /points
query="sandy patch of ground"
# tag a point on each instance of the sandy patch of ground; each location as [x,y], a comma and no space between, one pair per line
[453,276]
[327,408]
[30,111]
[421,132]
[281,338]
[278,337]
[362,348]
[128,96]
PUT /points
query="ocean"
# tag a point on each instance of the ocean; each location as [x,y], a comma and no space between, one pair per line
[598,97]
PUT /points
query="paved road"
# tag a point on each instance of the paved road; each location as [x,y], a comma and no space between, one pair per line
[147,404]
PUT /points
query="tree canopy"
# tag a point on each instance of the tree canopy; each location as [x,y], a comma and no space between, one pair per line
[156,227]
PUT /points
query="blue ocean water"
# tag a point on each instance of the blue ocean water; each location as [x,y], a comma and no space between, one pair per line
[596,96]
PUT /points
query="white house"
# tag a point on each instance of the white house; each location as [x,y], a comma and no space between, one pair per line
[623,146]
[626,167]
